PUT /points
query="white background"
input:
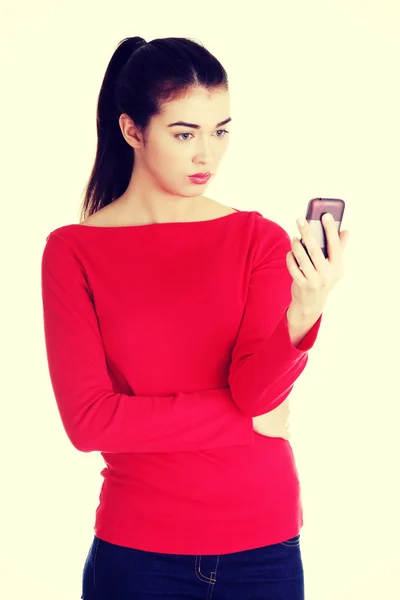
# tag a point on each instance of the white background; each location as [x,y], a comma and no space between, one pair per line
[315,102]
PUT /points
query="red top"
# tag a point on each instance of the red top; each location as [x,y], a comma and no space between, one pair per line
[163,341]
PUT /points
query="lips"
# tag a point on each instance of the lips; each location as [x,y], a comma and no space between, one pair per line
[200,177]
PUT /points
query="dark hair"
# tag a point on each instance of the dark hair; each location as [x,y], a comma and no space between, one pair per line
[140,77]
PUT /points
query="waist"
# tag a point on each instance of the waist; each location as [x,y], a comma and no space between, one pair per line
[226,495]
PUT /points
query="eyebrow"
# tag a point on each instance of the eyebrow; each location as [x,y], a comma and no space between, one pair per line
[194,126]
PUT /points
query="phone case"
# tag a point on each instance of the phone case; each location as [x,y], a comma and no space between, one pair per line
[316,208]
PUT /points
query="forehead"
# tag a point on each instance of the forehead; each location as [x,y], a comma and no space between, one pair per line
[199,104]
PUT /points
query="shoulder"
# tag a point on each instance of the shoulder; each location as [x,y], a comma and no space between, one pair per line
[271,240]
[269,228]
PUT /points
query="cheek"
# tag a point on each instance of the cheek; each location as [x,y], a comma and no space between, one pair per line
[173,159]
[157,157]
[167,149]
[168,164]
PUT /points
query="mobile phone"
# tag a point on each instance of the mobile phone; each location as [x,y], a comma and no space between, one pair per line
[316,208]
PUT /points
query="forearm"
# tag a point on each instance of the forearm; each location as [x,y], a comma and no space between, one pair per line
[300,322]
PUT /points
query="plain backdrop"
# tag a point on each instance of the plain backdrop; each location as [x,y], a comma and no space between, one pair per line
[315,102]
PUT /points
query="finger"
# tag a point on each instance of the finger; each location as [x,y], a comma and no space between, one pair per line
[297,275]
[312,249]
[306,261]
[333,241]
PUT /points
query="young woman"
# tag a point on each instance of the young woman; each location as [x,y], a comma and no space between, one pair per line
[175,329]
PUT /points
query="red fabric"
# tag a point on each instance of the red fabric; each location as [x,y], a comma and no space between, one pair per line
[163,341]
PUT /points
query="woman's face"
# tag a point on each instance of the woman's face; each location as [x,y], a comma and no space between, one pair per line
[172,153]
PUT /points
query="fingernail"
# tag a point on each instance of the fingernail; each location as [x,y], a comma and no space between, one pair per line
[301,222]
[328,217]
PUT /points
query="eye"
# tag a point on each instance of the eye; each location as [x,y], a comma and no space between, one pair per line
[223,131]
[179,136]
[219,136]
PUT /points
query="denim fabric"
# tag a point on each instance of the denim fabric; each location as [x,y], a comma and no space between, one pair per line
[273,572]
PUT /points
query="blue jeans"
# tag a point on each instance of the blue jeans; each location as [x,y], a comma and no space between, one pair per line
[273,572]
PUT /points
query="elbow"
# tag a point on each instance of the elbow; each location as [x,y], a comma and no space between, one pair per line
[251,408]
[250,404]
[247,398]
[262,405]
[259,395]
[79,439]
[253,403]
[78,445]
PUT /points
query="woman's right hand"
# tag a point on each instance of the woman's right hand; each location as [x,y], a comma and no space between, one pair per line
[274,423]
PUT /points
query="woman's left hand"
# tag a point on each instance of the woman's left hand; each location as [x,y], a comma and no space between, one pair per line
[314,279]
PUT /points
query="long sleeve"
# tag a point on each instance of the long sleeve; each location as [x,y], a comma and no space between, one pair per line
[265,364]
[93,415]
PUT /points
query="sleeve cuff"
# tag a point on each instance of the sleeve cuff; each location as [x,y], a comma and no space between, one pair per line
[309,340]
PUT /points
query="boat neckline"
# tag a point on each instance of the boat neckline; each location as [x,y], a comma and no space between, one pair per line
[81,225]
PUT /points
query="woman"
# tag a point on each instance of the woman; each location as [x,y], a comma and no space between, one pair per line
[175,330]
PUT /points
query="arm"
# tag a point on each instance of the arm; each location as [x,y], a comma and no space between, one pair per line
[93,415]
[265,363]
[300,324]
[274,422]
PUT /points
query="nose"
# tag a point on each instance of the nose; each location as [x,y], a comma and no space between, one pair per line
[204,154]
